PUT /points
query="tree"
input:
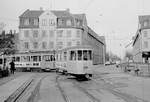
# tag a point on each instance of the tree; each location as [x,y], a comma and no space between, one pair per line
[7,44]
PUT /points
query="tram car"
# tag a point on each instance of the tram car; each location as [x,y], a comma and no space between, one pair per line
[34,61]
[76,61]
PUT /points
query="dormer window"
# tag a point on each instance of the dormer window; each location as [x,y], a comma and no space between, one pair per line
[60,22]
[26,21]
[51,22]
[44,22]
[35,22]
[68,22]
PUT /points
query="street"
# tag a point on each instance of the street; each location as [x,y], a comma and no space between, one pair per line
[109,84]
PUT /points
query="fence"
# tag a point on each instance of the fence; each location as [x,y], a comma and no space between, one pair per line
[137,68]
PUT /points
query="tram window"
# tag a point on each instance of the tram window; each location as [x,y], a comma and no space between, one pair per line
[35,58]
[65,56]
[85,57]
[28,58]
[90,55]
[1,61]
[79,54]
[72,55]
[17,59]
[57,57]
[39,58]
[60,57]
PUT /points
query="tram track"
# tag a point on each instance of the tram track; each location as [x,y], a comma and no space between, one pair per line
[17,94]
[27,91]
[124,96]
[92,97]
[65,97]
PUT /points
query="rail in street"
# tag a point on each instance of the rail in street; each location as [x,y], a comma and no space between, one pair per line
[15,96]
[64,95]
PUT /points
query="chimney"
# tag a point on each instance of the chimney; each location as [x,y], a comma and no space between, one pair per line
[41,8]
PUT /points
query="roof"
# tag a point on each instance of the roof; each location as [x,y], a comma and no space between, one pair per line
[62,13]
[79,16]
[32,13]
[99,38]
[136,37]
[58,13]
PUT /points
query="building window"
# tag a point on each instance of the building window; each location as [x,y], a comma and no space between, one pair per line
[26,21]
[51,44]
[59,45]
[44,44]
[59,33]
[35,33]
[35,45]
[35,22]
[145,33]
[78,33]
[43,33]
[51,33]
[68,33]
[60,22]
[145,44]
[26,45]
[78,43]
[51,22]
[69,44]
[26,33]
[44,22]
[68,22]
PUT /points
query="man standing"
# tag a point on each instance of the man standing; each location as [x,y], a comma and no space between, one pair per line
[12,66]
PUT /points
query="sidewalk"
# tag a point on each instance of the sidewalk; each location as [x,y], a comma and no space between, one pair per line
[7,89]
[130,84]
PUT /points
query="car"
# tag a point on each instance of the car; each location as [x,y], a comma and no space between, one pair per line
[107,63]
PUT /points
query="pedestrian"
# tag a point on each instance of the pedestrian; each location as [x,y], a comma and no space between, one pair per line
[12,67]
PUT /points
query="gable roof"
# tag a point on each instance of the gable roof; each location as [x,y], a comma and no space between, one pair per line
[32,13]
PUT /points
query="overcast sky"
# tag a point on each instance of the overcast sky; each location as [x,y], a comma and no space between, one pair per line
[117,20]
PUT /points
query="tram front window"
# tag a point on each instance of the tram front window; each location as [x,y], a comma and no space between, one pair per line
[85,57]
[79,54]
[17,59]
[65,56]
[1,61]
[72,55]
[90,55]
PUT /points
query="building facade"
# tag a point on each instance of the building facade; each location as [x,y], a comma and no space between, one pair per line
[53,30]
[141,43]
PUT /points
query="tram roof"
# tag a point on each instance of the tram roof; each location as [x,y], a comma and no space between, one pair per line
[35,52]
[78,47]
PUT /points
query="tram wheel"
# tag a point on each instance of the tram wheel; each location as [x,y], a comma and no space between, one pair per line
[87,76]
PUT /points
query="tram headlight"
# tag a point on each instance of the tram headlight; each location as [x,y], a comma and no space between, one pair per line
[85,67]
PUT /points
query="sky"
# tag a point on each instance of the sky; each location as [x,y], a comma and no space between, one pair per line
[117,20]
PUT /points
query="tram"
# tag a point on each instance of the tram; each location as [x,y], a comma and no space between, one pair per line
[76,61]
[33,61]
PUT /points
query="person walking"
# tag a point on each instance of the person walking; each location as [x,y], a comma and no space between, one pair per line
[12,67]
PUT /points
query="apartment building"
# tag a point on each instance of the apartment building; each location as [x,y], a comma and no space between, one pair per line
[41,30]
[141,43]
